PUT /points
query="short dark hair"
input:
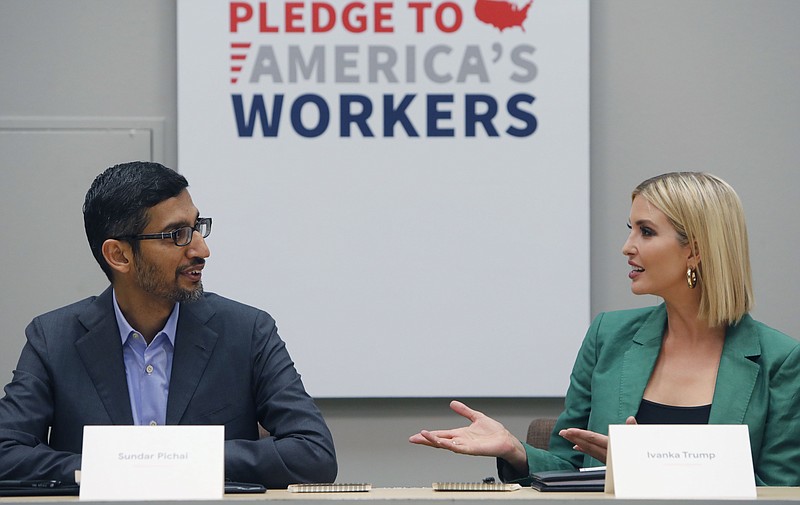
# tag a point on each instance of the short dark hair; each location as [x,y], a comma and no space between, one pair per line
[119,198]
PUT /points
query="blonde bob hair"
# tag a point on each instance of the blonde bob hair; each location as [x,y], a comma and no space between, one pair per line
[707,213]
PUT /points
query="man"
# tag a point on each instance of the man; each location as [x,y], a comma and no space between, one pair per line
[155,349]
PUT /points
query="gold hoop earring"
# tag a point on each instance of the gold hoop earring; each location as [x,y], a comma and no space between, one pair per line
[691,277]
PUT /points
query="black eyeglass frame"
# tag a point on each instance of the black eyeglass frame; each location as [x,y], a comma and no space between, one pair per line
[201,221]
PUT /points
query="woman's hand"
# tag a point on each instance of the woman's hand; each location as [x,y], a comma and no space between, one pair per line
[589,442]
[483,437]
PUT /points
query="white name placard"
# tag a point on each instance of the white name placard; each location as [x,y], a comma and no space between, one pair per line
[680,461]
[153,463]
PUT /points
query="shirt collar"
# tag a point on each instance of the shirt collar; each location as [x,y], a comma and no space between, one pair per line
[125,328]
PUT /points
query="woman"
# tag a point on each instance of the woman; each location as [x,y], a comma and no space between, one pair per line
[697,358]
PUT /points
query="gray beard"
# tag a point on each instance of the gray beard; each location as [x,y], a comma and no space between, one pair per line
[148,280]
[187,296]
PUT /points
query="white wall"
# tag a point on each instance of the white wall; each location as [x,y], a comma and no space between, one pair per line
[682,85]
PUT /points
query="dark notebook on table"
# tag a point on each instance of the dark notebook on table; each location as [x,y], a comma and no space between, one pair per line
[56,488]
[569,480]
[37,488]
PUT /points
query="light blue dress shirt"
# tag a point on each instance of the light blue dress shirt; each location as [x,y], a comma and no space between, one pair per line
[148,367]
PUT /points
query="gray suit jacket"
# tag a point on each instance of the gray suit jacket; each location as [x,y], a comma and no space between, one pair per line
[230,368]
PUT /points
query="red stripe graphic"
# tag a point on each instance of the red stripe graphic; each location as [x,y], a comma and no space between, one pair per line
[238,56]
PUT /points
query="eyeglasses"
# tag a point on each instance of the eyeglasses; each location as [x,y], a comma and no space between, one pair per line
[181,236]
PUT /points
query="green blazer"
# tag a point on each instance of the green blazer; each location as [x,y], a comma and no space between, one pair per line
[758,384]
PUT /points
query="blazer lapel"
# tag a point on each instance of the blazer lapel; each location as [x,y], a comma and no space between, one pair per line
[639,361]
[100,349]
[194,344]
[737,374]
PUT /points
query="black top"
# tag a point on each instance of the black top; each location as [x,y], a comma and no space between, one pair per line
[656,413]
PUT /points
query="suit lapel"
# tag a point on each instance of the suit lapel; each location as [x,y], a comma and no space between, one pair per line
[194,344]
[639,361]
[737,374]
[736,378]
[100,349]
